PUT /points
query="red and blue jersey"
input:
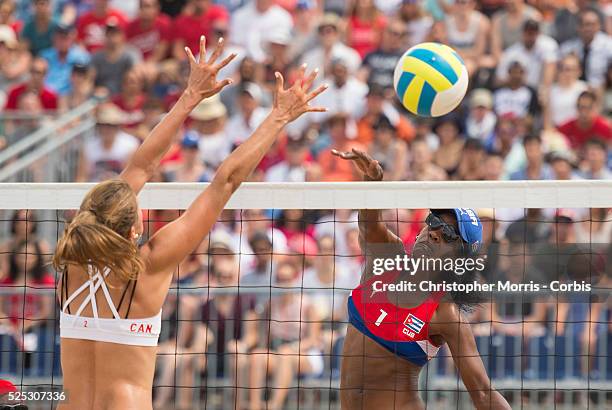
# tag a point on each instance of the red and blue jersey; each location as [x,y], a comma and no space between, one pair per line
[404,332]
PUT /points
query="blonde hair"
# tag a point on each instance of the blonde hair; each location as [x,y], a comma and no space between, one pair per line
[99,234]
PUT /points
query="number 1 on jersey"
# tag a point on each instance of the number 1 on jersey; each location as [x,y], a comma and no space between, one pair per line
[381,317]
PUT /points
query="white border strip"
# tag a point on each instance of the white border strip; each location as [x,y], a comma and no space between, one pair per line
[336,195]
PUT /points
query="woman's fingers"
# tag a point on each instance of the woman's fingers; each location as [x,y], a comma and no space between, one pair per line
[218,51]
[222,85]
[300,76]
[316,109]
[308,82]
[316,92]
[280,82]
[225,61]
[343,154]
[190,55]
[202,49]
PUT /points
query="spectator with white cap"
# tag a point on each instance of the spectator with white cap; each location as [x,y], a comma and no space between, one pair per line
[14,60]
[250,113]
[208,121]
[481,120]
[105,155]
[277,44]
[563,164]
[250,23]
[330,48]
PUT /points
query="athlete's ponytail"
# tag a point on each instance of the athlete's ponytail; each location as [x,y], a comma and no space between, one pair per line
[99,235]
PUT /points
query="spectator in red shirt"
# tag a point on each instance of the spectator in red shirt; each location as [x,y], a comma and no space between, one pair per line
[198,19]
[131,100]
[588,124]
[23,312]
[91,27]
[150,31]
[36,85]
[365,27]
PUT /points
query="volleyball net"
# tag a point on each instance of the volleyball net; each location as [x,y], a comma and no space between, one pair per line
[258,312]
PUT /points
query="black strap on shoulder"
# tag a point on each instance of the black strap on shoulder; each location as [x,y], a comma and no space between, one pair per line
[131,298]
[65,288]
[127,285]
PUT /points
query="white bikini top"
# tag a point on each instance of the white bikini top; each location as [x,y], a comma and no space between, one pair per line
[136,332]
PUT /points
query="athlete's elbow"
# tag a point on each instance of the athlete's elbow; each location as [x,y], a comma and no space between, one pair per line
[226,180]
[489,400]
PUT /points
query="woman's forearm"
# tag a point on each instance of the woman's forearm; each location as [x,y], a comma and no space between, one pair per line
[242,161]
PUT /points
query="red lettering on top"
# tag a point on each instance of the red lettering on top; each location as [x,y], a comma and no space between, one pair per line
[141,328]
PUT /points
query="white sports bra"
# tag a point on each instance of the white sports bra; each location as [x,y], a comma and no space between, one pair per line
[136,332]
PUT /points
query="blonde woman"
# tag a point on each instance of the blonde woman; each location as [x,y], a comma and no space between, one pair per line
[111,291]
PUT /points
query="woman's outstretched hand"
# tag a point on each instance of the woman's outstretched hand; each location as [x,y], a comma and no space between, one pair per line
[291,103]
[369,167]
[202,81]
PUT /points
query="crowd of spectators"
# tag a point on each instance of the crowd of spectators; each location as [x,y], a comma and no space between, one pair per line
[538,108]
[537,69]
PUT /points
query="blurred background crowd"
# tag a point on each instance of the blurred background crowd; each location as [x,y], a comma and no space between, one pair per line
[538,108]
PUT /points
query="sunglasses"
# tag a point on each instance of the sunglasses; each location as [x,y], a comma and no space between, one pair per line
[449,233]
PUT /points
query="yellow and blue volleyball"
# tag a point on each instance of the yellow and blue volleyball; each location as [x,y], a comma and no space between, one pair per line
[430,79]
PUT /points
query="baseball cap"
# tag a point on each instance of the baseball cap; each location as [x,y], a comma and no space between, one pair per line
[113,24]
[531,25]
[252,90]
[209,109]
[7,36]
[305,4]
[223,241]
[470,227]
[190,140]
[63,28]
[481,97]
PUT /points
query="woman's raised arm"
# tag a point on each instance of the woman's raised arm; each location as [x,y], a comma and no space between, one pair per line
[202,84]
[178,239]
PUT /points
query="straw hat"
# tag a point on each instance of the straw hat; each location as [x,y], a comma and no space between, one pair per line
[110,114]
[209,109]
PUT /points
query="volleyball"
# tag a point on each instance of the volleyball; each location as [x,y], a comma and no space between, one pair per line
[430,79]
